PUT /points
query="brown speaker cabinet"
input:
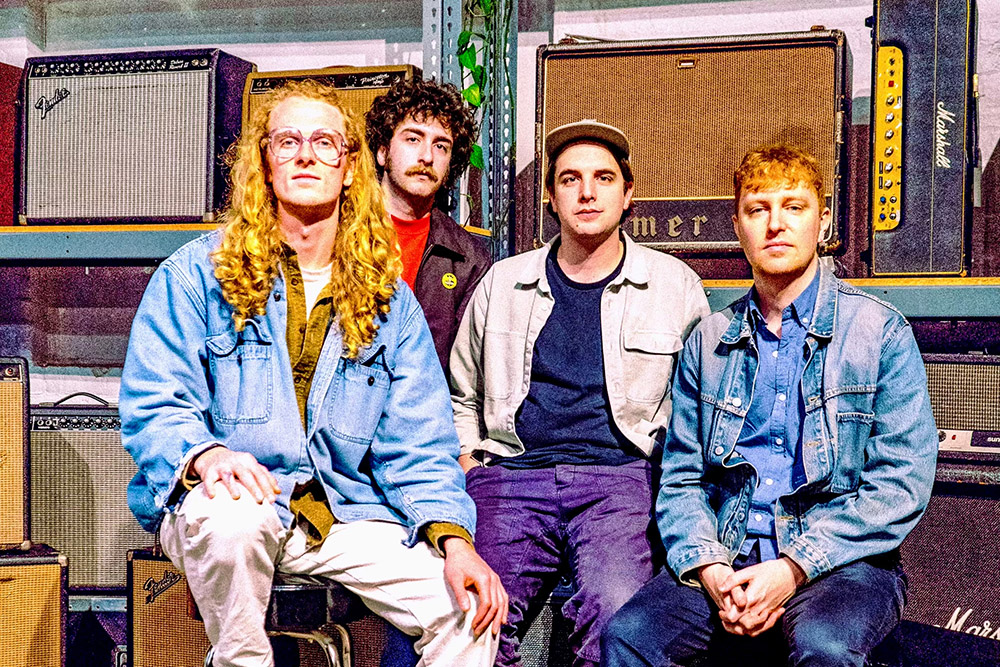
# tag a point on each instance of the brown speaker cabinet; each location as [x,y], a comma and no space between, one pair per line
[692,108]
[15,519]
[33,605]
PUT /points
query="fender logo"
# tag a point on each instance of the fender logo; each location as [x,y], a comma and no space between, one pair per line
[158,588]
[45,105]
[941,136]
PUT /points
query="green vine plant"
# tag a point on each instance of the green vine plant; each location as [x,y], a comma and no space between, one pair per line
[475,46]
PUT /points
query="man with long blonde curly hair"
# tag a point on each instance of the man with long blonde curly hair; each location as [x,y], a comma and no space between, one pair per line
[284,403]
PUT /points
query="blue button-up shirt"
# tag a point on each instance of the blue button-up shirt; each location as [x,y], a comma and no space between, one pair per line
[771,438]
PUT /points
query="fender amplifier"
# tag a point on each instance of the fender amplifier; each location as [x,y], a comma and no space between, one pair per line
[358,86]
[33,605]
[127,137]
[79,476]
[923,134]
[692,108]
[15,530]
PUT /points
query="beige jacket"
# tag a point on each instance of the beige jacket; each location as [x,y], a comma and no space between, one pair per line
[647,312]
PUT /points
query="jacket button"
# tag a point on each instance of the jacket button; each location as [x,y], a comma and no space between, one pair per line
[371,381]
[720,450]
[736,401]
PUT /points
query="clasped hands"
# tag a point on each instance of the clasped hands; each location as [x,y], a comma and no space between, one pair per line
[751,600]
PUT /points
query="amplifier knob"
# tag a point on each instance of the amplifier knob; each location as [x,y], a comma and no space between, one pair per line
[888,151]
[888,184]
[888,166]
[890,100]
[893,216]
[889,117]
[889,134]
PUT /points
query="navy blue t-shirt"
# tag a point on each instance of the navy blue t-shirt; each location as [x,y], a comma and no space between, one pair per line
[566,417]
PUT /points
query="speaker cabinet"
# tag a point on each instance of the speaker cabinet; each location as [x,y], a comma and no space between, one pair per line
[965,396]
[127,137]
[15,522]
[692,108]
[9,77]
[923,134]
[161,632]
[33,605]
[546,643]
[79,476]
[357,86]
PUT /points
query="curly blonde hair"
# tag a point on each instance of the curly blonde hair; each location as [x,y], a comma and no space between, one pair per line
[365,258]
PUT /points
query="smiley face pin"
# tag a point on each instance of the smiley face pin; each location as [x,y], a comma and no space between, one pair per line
[449,281]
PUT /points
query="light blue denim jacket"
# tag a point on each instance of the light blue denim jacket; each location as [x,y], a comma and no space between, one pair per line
[869,444]
[380,437]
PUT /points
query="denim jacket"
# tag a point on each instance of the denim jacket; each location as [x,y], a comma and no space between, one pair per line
[379,435]
[869,443]
[646,312]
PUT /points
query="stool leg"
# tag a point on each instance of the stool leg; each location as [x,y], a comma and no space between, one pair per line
[333,658]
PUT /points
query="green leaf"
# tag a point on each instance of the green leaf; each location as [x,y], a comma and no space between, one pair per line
[476,159]
[467,57]
[473,95]
[479,76]
[487,6]
[464,38]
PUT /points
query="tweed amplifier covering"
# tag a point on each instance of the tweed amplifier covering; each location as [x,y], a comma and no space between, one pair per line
[357,86]
[692,109]
[33,605]
[79,476]
[15,522]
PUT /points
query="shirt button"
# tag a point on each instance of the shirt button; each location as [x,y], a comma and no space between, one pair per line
[736,401]
[781,397]
[769,481]
[775,354]
[779,441]
[720,450]
[758,517]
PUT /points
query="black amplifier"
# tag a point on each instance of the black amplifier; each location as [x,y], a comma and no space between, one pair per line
[923,136]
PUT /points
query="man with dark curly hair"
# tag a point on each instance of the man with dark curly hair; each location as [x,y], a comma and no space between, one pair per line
[421,135]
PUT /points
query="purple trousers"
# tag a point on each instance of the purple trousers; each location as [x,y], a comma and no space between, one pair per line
[591,522]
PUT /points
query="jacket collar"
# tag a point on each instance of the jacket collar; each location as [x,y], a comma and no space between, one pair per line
[444,234]
[634,271]
[823,319]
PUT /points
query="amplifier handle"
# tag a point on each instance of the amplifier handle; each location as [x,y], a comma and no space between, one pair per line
[80,393]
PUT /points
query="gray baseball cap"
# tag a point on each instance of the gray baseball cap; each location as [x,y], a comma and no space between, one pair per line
[562,136]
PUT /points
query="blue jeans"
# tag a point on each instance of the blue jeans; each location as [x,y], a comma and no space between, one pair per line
[591,521]
[835,620]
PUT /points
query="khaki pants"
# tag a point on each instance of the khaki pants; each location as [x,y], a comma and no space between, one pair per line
[229,550]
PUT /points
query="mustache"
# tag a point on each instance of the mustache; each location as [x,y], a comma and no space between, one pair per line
[421,170]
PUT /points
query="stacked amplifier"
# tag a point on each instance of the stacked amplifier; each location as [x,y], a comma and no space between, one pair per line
[33,579]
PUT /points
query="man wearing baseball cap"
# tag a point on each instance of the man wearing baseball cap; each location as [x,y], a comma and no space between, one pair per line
[560,377]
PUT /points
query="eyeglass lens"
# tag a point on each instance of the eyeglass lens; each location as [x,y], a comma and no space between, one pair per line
[328,145]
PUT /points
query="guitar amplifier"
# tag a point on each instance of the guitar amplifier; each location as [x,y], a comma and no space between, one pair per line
[692,108]
[15,519]
[79,476]
[923,136]
[965,396]
[33,605]
[357,86]
[127,137]
[9,77]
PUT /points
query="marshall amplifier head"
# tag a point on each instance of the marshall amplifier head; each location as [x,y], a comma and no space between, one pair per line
[15,521]
[357,86]
[692,108]
[923,135]
[79,476]
[127,137]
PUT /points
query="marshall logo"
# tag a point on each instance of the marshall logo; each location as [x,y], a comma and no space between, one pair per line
[944,117]
[158,588]
[45,105]
[958,620]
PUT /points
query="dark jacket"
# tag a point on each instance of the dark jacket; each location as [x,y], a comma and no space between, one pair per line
[453,262]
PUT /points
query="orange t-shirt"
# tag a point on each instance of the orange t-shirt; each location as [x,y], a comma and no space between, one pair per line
[412,235]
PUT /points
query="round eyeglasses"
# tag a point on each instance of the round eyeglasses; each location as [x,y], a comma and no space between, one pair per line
[285,143]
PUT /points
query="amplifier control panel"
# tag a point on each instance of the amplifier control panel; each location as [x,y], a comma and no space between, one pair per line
[75,423]
[887,141]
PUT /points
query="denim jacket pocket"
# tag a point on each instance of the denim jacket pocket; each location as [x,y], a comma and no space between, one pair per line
[648,363]
[361,393]
[243,379]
